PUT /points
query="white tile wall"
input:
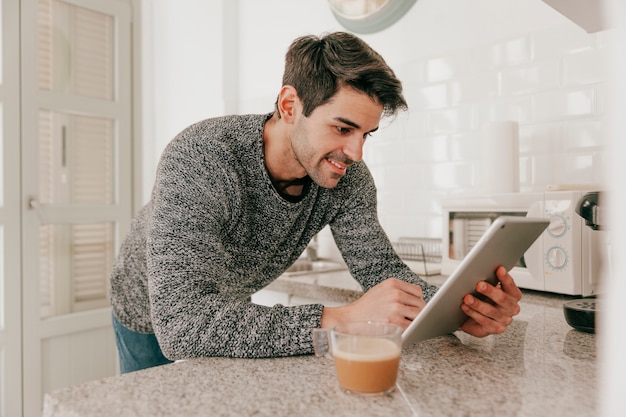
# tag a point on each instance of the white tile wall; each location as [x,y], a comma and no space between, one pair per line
[551,81]
[462,64]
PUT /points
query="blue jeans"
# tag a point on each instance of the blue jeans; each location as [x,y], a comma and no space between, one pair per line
[137,350]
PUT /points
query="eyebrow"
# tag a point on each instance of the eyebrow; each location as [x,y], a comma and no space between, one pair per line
[352,124]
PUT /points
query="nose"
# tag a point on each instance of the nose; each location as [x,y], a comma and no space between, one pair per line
[353,148]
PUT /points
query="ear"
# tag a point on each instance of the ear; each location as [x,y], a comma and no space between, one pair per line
[288,103]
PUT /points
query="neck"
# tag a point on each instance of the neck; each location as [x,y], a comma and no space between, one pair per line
[293,188]
[284,170]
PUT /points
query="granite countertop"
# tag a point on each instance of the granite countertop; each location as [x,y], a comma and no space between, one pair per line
[539,367]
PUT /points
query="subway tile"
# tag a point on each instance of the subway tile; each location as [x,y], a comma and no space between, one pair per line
[407,225]
[601,168]
[413,175]
[449,120]
[540,139]
[512,108]
[427,148]
[439,69]
[413,121]
[475,87]
[402,176]
[576,169]
[586,67]
[603,96]
[515,51]
[383,152]
[464,146]
[390,202]
[447,67]
[390,135]
[453,175]
[434,226]
[525,179]
[392,128]
[413,225]
[560,40]
[539,76]
[543,171]
[584,135]
[564,169]
[559,104]
[432,96]
[423,200]
[411,73]
[443,121]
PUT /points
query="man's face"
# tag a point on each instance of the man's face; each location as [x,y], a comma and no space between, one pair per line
[328,141]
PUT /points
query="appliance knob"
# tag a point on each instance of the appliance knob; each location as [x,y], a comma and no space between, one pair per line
[556,258]
[557,226]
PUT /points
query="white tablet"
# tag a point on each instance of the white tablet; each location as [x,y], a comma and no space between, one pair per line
[504,243]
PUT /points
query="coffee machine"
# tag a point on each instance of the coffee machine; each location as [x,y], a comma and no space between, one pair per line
[581,313]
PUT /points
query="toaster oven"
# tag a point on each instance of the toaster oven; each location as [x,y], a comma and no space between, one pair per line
[565,259]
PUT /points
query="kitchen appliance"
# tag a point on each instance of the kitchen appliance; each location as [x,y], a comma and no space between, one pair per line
[565,259]
[581,313]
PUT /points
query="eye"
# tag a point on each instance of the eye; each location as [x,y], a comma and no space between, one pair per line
[344,130]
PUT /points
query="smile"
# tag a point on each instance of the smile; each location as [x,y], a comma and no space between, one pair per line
[338,167]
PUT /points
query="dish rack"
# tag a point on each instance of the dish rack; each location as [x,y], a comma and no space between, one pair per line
[422,255]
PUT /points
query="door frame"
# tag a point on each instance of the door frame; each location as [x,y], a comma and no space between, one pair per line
[10,217]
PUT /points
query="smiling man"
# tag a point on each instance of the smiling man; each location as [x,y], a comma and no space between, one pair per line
[236,201]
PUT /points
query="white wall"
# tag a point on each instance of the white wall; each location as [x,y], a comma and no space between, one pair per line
[463,63]
[183,81]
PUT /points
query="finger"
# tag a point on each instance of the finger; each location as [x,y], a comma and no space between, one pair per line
[412,289]
[489,311]
[407,309]
[391,301]
[499,298]
[487,324]
[508,284]
[407,306]
[408,314]
[399,314]
[404,293]
[412,300]
[471,327]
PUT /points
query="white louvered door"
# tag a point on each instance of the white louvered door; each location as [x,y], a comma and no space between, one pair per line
[76,188]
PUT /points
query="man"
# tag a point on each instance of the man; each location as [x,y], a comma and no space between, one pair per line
[236,201]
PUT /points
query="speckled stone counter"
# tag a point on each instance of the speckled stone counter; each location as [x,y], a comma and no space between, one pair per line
[539,367]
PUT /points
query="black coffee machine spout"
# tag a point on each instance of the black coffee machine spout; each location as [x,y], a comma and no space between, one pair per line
[588,208]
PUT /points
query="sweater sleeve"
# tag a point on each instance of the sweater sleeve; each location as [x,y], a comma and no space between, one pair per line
[363,242]
[196,307]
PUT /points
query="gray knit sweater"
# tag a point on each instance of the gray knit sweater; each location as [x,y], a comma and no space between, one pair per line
[216,231]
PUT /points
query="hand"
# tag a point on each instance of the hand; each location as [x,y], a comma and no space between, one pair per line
[392,301]
[496,314]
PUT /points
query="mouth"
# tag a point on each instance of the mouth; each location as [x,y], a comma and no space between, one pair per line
[336,166]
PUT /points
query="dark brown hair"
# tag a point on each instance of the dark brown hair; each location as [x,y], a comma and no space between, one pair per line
[318,66]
